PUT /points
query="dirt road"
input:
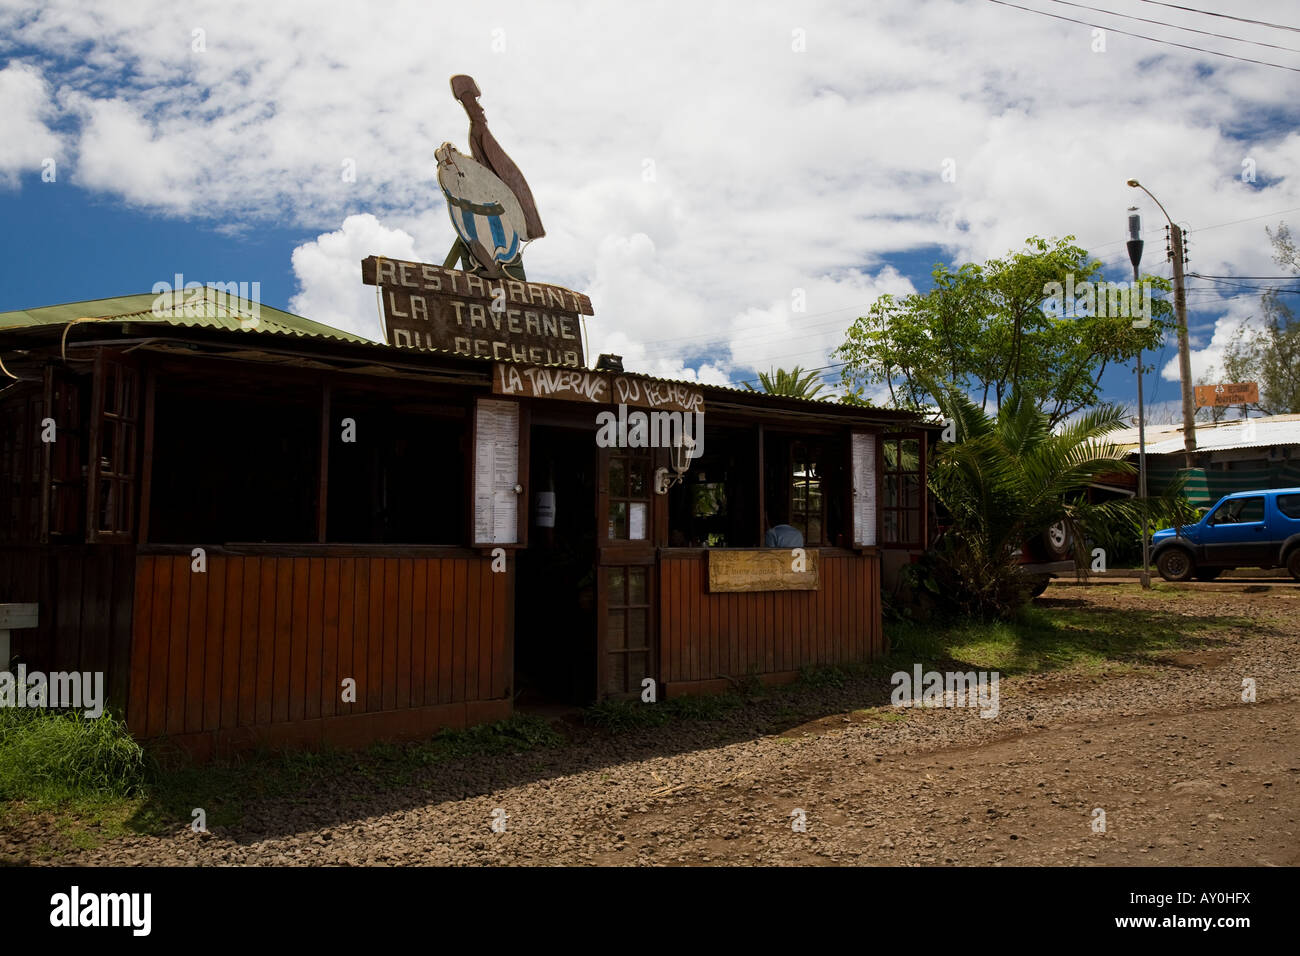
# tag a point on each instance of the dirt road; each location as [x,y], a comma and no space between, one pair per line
[1184,771]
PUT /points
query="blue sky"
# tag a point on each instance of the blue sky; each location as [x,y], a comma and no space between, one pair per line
[699,167]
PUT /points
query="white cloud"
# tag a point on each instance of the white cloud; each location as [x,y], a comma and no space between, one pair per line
[26,107]
[328,270]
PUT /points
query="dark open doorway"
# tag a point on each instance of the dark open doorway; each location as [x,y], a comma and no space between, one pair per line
[555,616]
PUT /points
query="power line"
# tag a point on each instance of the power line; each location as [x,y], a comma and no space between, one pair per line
[1259,288]
[1141,36]
[1225,16]
[1174,26]
[1202,276]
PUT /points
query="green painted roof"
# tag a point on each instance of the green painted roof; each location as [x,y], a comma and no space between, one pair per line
[213,311]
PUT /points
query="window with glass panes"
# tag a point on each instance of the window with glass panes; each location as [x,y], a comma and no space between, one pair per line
[627,628]
[807,501]
[113,451]
[900,491]
[629,494]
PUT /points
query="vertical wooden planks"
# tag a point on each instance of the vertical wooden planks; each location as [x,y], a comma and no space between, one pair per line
[416,634]
[502,633]
[283,641]
[265,641]
[473,598]
[214,625]
[670,609]
[332,599]
[351,634]
[231,641]
[432,630]
[405,612]
[388,699]
[447,632]
[137,705]
[458,635]
[489,590]
[315,636]
[249,641]
[177,657]
[137,714]
[374,695]
[296,704]
[666,623]
[159,646]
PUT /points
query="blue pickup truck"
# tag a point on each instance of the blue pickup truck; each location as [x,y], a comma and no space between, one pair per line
[1258,529]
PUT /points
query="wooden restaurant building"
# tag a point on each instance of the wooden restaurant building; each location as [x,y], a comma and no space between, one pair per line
[267,531]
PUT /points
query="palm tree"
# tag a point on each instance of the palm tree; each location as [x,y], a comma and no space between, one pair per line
[1006,479]
[792,384]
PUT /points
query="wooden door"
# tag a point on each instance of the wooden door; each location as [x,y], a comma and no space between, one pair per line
[628,516]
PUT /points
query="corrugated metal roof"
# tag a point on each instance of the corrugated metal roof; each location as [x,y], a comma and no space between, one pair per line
[214,311]
[1221,436]
[224,313]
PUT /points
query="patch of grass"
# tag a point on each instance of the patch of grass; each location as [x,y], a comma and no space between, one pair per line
[833,675]
[1049,637]
[53,757]
[620,716]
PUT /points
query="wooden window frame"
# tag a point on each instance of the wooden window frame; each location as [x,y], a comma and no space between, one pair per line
[884,473]
[123,411]
[606,499]
[815,448]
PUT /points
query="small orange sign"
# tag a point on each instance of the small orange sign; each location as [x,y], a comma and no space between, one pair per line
[1241,393]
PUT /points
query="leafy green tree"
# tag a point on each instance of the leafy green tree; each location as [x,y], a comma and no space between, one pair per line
[1271,356]
[999,329]
[793,384]
[1005,479]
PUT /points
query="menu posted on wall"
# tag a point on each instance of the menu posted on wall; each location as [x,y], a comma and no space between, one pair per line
[864,489]
[496,472]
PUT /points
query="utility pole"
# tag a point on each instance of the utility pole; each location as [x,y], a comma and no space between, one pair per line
[1177,253]
[1135,257]
[1184,351]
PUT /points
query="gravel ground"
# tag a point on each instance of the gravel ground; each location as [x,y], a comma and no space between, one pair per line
[1185,772]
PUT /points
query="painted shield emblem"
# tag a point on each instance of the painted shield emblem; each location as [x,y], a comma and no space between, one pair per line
[483,209]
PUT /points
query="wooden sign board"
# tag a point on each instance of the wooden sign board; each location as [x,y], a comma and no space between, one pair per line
[428,306]
[762,569]
[597,388]
[1241,393]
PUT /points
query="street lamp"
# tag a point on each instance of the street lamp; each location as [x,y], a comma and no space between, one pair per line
[1184,354]
[1135,257]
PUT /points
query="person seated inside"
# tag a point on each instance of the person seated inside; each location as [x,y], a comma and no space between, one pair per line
[783,536]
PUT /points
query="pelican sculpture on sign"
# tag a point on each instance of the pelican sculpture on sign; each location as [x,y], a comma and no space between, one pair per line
[488,199]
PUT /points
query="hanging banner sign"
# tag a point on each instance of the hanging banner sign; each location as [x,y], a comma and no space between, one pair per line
[428,306]
[597,388]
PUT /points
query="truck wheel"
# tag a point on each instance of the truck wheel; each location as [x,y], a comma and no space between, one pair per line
[1175,565]
[1293,563]
[1057,541]
[1208,574]
[1038,584]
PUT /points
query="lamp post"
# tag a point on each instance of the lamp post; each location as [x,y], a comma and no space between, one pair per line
[1184,354]
[1135,257]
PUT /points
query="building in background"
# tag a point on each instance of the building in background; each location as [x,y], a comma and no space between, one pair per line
[1238,455]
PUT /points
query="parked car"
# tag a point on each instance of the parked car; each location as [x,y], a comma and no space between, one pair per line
[1247,529]
[1046,556]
